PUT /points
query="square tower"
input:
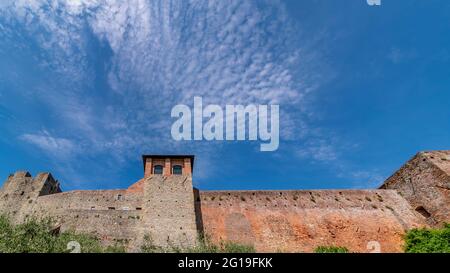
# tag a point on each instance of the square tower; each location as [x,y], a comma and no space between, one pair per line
[168,201]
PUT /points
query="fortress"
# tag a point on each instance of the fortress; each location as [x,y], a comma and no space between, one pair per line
[165,206]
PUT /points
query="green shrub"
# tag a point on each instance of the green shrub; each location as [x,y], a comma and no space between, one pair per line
[331,249]
[31,236]
[36,236]
[428,240]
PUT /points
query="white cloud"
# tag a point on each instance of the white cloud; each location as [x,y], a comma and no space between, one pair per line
[163,53]
[366,179]
[319,150]
[330,151]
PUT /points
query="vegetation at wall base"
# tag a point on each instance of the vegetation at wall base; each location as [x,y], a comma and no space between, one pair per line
[330,249]
[37,236]
[427,240]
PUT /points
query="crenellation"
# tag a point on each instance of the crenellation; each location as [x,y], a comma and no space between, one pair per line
[304,198]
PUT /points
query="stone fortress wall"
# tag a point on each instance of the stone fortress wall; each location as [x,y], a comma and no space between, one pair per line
[166,208]
[110,214]
[300,221]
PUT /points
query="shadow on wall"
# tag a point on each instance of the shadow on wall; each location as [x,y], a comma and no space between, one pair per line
[198,212]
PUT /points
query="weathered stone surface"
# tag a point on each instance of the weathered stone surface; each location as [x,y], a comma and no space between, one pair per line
[173,213]
[425,182]
[169,214]
[299,221]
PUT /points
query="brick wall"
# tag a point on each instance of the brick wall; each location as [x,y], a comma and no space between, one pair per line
[299,221]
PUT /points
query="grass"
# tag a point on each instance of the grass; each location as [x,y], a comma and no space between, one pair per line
[331,249]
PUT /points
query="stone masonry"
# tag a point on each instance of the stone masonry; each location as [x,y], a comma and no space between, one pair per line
[164,207]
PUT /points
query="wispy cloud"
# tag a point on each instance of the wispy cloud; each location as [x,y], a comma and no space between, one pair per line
[157,54]
[397,55]
[320,150]
[330,151]
[366,179]
[60,148]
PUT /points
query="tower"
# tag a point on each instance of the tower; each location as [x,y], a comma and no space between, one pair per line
[425,182]
[21,191]
[168,200]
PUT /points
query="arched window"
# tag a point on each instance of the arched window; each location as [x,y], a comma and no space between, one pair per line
[177,169]
[158,169]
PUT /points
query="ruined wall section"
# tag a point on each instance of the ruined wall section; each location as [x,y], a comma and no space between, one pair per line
[20,192]
[169,214]
[425,182]
[300,221]
[112,215]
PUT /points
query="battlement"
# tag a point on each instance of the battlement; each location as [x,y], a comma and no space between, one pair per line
[366,199]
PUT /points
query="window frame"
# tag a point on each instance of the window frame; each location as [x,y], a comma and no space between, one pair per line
[158,166]
[180,168]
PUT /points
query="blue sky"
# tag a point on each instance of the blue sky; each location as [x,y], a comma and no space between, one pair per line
[87,87]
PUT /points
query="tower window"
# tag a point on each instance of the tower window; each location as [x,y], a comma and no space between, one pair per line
[177,169]
[158,169]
